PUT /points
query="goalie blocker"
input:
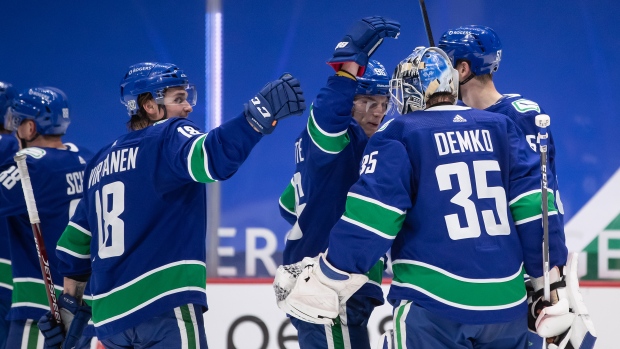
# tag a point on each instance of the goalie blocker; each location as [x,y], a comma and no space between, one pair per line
[565,322]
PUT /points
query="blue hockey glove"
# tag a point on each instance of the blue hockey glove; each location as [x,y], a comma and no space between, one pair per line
[51,331]
[278,99]
[74,317]
[362,41]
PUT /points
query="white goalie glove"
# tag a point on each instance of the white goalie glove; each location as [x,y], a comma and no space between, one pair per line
[320,291]
[565,322]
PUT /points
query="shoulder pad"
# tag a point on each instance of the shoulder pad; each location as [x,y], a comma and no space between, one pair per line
[525,105]
[33,152]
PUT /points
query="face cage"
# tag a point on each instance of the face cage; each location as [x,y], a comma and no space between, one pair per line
[191,94]
[412,102]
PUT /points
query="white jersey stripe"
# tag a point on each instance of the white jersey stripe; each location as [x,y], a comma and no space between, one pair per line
[181,324]
[366,227]
[192,313]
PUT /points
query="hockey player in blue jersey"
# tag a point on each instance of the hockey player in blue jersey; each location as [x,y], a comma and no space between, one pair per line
[139,232]
[39,117]
[455,192]
[346,112]
[475,52]
[8,148]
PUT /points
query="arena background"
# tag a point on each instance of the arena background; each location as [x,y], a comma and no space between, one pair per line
[562,54]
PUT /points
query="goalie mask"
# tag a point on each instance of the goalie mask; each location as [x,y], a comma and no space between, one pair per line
[46,106]
[423,73]
[153,78]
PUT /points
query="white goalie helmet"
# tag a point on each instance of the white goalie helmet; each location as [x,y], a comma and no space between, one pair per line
[416,78]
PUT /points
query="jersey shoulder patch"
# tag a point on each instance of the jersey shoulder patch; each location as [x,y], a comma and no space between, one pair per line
[523,105]
[33,152]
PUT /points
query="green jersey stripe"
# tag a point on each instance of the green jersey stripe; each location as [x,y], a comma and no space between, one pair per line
[31,332]
[527,206]
[380,217]
[75,242]
[167,280]
[459,292]
[331,143]
[400,335]
[198,162]
[78,227]
[31,292]
[375,274]
[189,327]
[335,335]
[287,199]
[6,281]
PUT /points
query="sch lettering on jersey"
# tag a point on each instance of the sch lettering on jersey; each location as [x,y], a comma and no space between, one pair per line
[455,142]
[75,181]
[117,161]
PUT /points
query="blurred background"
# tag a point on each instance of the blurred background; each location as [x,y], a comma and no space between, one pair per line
[563,55]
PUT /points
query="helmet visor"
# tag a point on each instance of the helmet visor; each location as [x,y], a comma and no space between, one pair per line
[12,120]
[177,95]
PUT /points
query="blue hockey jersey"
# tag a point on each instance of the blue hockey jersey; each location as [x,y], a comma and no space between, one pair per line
[327,155]
[140,230]
[56,177]
[8,148]
[523,112]
[455,192]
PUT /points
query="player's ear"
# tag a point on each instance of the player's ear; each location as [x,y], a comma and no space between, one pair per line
[30,128]
[150,107]
[463,68]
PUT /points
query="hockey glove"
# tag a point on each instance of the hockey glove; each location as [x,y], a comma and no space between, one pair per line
[321,291]
[550,318]
[51,331]
[285,279]
[277,100]
[581,333]
[74,318]
[362,41]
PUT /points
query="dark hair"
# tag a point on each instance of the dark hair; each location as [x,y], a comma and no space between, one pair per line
[141,119]
[439,97]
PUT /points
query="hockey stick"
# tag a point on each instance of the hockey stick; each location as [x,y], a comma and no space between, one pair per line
[542,122]
[33,214]
[427,24]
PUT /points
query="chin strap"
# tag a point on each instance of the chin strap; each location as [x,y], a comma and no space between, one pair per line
[471,76]
[24,142]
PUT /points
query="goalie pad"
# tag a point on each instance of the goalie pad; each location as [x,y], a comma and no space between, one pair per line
[321,291]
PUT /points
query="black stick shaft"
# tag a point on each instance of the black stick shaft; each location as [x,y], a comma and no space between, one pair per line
[427,24]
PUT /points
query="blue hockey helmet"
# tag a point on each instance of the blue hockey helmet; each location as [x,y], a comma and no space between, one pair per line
[477,44]
[7,93]
[375,80]
[424,72]
[153,78]
[46,106]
